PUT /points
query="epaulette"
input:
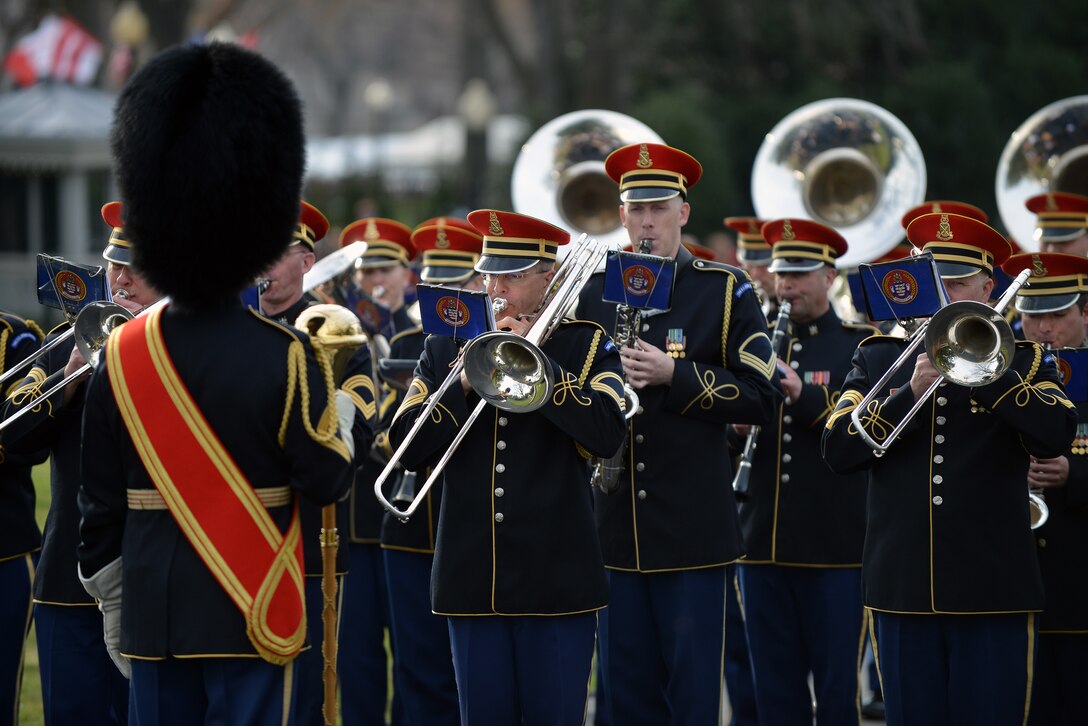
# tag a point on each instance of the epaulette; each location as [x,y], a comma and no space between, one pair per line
[577,321]
[880,338]
[286,329]
[712,266]
[858,325]
[58,327]
[406,333]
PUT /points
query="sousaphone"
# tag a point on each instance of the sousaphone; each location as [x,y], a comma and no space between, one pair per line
[1047,153]
[846,163]
[559,174]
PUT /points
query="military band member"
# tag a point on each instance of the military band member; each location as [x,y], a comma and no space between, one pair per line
[203,421]
[79,682]
[20,539]
[284,300]
[423,667]
[517,563]
[383,275]
[949,573]
[754,256]
[803,525]
[1061,223]
[1052,310]
[671,529]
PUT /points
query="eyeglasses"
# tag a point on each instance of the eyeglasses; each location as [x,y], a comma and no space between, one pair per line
[510,277]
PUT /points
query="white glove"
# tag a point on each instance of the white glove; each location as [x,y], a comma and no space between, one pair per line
[105,587]
[345,412]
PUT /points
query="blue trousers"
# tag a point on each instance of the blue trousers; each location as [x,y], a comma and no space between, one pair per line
[310,663]
[80,684]
[529,670]
[602,715]
[363,664]
[949,670]
[16,580]
[802,620]
[738,667]
[663,651]
[1059,691]
[219,691]
[423,671]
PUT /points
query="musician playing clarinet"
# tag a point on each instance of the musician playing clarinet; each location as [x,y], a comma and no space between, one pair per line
[803,525]
[671,528]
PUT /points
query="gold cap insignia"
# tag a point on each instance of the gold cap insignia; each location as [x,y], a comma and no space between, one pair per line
[644,160]
[936,208]
[495,228]
[1038,269]
[944,229]
[441,241]
[1051,204]
[752,228]
[787,231]
[372,232]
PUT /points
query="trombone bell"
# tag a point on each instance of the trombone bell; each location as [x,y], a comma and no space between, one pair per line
[508,371]
[969,343]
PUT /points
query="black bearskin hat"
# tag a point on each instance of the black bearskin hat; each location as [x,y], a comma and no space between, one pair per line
[209,152]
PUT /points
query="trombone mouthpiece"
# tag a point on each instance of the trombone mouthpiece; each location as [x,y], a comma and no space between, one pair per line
[378,291]
[123,294]
[644,246]
[498,305]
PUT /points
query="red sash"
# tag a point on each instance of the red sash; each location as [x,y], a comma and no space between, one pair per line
[208,495]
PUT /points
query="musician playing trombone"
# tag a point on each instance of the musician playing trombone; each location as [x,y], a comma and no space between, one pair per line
[517,563]
[79,682]
[1052,312]
[803,525]
[950,577]
[671,528]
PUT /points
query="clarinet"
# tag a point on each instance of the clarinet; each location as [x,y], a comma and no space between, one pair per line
[605,473]
[744,468]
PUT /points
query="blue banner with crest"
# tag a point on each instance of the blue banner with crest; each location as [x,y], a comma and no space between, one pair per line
[453,312]
[638,280]
[901,289]
[68,286]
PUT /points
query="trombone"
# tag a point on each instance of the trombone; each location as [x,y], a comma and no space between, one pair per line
[92,326]
[506,370]
[969,342]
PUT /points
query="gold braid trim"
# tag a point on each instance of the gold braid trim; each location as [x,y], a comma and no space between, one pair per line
[599,383]
[367,408]
[326,433]
[711,391]
[725,320]
[29,389]
[847,403]
[590,356]
[4,347]
[831,399]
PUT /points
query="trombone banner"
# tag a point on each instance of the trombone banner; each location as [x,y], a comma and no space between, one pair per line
[638,280]
[69,287]
[901,289]
[453,312]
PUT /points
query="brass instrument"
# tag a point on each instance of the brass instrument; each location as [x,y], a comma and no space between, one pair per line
[605,473]
[846,163]
[506,370]
[336,334]
[744,466]
[969,342]
[559,173]
[1046,153]
[91,328]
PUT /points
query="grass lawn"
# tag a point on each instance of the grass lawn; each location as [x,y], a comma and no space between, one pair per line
[30,706]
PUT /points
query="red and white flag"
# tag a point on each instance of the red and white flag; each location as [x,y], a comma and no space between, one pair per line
[60,49]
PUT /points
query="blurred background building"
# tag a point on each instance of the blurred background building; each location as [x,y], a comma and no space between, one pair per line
[415,108]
